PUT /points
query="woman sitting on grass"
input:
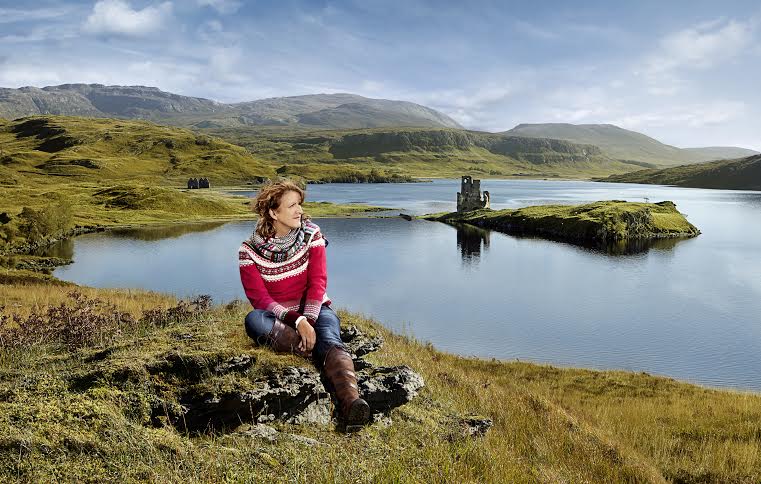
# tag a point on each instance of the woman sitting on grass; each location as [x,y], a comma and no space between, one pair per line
[284,274]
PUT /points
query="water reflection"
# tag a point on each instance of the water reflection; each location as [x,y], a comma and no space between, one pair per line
[165,231]
[471,240]
[63,249]
[631,247]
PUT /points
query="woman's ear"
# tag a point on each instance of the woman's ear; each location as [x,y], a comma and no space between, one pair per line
[273,215]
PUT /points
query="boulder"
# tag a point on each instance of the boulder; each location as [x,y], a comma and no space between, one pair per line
[385,388]
[292,394]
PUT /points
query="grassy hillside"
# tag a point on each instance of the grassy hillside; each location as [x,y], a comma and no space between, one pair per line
[38,149]
[77,406]
[713,153]
[743,174]
[623,144]
[422,152]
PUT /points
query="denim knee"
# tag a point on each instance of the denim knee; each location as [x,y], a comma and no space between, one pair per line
[328,329]
[258,324]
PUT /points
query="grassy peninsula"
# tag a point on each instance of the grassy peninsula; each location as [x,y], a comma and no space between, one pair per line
[598,223]
[76,395]
[740,174]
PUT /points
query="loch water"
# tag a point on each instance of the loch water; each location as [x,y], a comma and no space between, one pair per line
[688,309]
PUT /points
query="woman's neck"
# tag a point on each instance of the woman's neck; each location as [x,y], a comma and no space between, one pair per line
[281,230]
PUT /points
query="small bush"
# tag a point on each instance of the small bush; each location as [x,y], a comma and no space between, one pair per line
[51,221]
[88,322]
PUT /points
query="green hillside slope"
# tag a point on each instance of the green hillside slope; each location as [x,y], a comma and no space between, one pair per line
[105,150]
[98,150]
[423,153]
[742,174]
[711,153]
[624,144]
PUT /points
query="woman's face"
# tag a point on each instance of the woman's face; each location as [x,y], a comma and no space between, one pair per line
[288,215]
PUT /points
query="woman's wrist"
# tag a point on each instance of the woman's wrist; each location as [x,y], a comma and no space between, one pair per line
[291,317]
[299,320]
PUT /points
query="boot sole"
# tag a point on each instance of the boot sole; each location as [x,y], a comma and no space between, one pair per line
[359,414]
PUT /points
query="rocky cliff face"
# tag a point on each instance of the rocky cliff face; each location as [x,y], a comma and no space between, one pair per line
[533,150]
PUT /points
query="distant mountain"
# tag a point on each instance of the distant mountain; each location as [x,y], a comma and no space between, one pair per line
[623,144]
[329,111]
[742,174]
[711,153]
[424,152]
[36,150]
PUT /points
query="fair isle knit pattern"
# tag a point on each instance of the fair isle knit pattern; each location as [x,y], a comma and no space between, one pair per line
[287,273]
[279,249]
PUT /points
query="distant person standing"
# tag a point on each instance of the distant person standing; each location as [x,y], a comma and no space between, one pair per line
[284,274]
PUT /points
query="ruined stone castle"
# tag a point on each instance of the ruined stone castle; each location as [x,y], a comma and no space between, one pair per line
[469,196]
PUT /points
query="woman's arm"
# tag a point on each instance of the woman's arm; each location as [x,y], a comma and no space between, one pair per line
[317,277]
[257,293]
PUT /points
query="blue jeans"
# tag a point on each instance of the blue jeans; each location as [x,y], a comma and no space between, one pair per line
[327,330]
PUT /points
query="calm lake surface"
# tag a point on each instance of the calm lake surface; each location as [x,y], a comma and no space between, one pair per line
[689,309]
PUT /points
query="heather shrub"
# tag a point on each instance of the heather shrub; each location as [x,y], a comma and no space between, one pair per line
[86,322]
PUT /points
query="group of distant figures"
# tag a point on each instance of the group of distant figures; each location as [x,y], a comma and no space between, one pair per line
[198,183]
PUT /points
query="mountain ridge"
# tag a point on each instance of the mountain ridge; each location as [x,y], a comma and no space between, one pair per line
[340,110]
[623,144]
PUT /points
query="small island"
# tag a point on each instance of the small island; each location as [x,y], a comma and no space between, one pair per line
[597,223]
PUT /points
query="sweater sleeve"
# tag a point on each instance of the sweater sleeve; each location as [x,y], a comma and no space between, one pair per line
[256,291]
[317,277]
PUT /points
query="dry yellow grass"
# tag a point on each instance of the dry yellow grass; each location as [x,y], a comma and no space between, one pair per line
[550,424]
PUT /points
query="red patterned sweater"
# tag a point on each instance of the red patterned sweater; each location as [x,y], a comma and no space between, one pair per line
[291,288]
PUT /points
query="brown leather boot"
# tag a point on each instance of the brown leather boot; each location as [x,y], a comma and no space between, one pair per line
[339,370]
[284,339]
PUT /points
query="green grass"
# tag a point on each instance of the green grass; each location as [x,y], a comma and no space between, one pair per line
[598,222]
[422,152]
[550,424]
[34,150]
[38,148]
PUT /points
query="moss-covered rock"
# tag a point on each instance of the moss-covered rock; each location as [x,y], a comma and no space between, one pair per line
[598,223]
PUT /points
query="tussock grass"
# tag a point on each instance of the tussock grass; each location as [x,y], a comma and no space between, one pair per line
[550,424]
[23,299]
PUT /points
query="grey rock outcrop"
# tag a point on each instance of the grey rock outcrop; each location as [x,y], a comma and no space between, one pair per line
[294,395]
[387,387]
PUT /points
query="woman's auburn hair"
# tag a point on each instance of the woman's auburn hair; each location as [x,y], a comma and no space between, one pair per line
[267,199]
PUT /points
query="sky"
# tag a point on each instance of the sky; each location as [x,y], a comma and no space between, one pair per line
[684,72]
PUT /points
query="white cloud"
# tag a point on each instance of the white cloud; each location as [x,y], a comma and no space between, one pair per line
[13,15]
[224,7]
[692,116]
[117,17]
[475,97]
[702,46]
[41,34]
[369,86]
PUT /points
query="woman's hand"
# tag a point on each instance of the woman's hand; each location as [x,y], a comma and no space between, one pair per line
[308,336]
